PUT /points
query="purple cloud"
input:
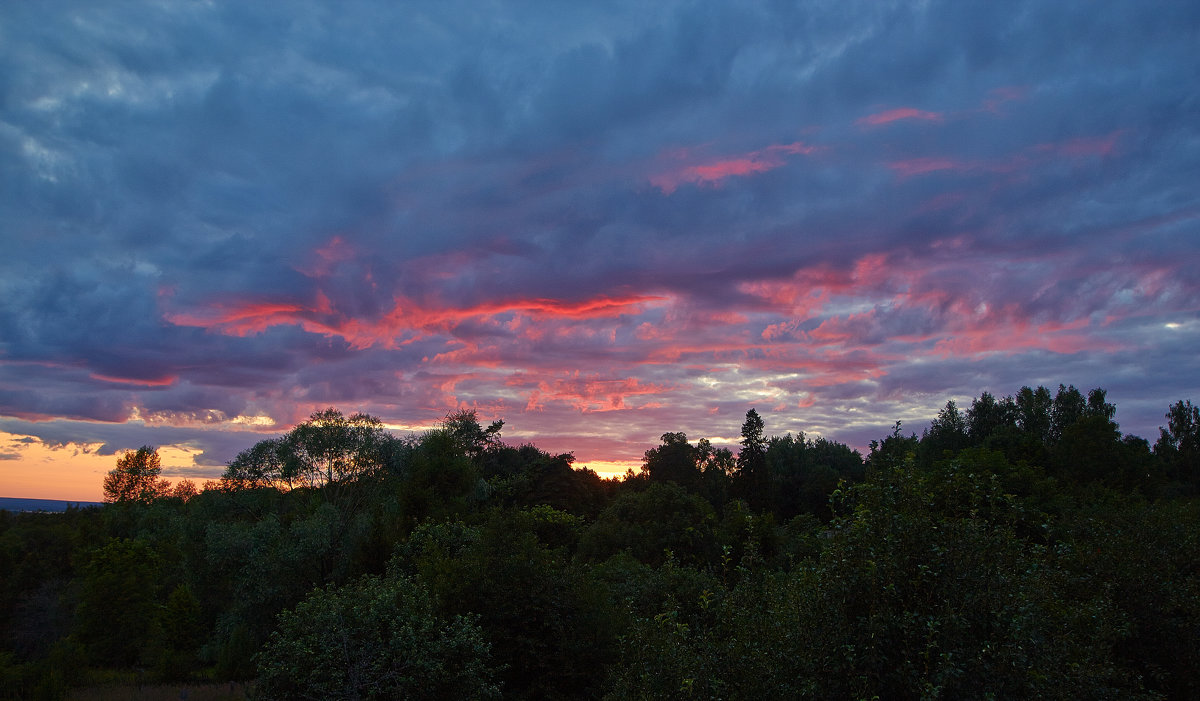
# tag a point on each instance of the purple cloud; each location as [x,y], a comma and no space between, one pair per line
[597,225]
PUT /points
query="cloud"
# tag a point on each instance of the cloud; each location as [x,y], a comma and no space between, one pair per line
[898,114]
[714,171]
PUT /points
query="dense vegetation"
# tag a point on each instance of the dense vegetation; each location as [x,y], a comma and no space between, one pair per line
[1021,548]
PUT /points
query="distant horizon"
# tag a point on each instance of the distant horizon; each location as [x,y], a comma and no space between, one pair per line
[606,469]
[9,503]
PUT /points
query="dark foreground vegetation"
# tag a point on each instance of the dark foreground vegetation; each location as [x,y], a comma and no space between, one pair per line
[1023,548]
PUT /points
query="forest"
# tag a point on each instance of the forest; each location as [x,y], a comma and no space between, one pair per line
[1021,547]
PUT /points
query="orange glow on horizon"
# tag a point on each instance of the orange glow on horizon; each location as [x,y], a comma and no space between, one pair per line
[75,471]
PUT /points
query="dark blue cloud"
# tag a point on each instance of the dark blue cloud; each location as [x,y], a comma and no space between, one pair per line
[840,212]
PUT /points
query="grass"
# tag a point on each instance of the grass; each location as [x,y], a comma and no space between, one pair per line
[228,691]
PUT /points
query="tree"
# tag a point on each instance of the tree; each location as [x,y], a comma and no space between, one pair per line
[331,447]
[988,416]
[1097,405]
[1033,412]
[947,433]
[675,460]
[893,451]
[1178,445]
[118,601]
[475,440]
[267,463]
[181,633]
[662,522]
[327,448]
[752,462]
[184,490]
[136,478]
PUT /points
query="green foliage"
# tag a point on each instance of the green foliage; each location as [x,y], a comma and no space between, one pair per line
[270,564]
[235,660]
[1022,548]
[526,476]
[805,472]
[549,630]
[117,609]
[375,638]
[915,595]
[947,435]
[181,633]
[653,525]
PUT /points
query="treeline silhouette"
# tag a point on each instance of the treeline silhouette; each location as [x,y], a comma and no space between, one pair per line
[1021,548]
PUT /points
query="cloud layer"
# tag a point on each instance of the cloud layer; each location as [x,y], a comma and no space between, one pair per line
[597,224]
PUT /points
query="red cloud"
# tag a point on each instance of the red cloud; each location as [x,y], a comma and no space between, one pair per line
[245,318]
[874,120]
[164,381]
[404,323]
[714,172]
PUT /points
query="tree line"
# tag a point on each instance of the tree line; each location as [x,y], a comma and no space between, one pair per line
[1022,547]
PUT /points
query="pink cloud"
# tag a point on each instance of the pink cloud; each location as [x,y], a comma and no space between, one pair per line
[591,393]
[164,381]
[898,114]
[715,172]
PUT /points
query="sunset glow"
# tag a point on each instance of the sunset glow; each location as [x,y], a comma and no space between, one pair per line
[599,224]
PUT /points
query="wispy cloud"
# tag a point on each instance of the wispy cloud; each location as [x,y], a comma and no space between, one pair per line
[898,114]
[714,171]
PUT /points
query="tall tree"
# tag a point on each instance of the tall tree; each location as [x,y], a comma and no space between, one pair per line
[136,478]
[1033,412]
[1069,407]
[1098,405]
[329,447]
[987,416]
[675,460]
[752,462]
[475,440]
[754,444]
[947,433]
[1178,445]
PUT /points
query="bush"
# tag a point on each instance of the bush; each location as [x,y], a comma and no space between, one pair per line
[375,638]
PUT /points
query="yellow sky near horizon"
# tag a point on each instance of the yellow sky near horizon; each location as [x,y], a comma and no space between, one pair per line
[31,469]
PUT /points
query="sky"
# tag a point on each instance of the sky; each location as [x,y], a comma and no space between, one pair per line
[599,222]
